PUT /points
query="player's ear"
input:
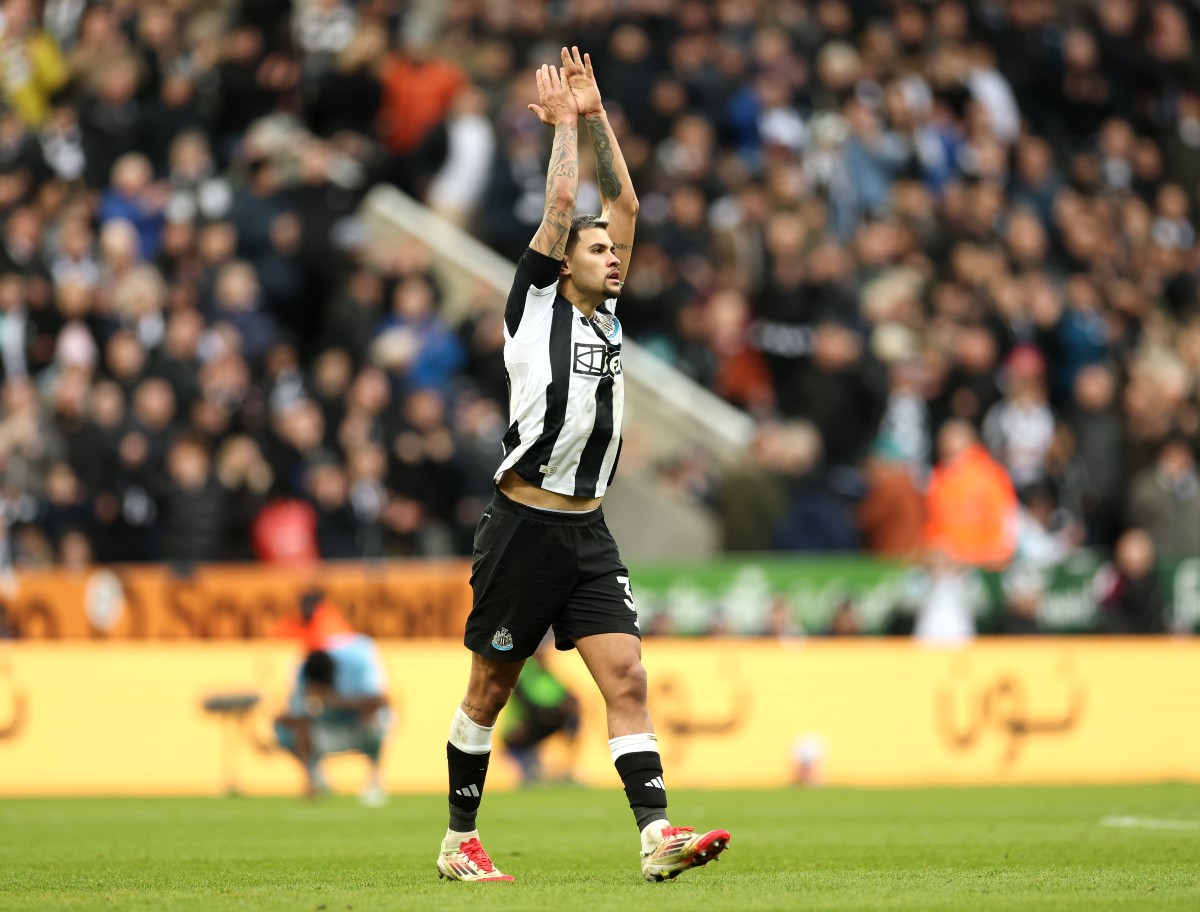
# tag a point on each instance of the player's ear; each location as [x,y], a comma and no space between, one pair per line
[564,268]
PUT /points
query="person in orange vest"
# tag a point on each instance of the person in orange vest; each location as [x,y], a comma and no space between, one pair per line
[970,503]
[320,621]
[971,522]
[418,87]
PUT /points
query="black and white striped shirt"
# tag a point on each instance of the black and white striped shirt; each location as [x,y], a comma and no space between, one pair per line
[566,393]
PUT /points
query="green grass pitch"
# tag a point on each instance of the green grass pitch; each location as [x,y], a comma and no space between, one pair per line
[575,849]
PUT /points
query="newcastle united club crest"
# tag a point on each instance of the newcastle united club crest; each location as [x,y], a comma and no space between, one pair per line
[502,640]
[607,324]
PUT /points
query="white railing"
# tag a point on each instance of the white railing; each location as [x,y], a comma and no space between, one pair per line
[673,412]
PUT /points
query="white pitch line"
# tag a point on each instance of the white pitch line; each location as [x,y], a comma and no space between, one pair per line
[1147,823]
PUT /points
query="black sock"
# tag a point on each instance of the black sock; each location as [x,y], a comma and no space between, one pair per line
[642,775]
[467,772]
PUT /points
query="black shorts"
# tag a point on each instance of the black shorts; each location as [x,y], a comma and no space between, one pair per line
[533,569]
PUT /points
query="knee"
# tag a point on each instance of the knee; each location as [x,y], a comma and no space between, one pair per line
[490,694]
[628,684]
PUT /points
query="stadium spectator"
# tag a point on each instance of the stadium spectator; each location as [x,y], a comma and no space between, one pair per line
[841,389]
[946,612]
[192,504]
[891,515]
[337,524]
[815,518]
[1046,533]
[1022,589]
[971,522]
[246,479]
[751,499]
[844,621]
[1020,428]
[1130,594]
[1096,422]
[1067,479]
[317,623]
[419,86]
[971,508]
[74,551]
[31,441]
[34,69]
[285,532]
[414,343]
[458,186]
[347,93]
[781,500]
[1164,500]
[132,196]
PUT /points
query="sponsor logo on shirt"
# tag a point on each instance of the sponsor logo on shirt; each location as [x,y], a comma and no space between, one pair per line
[596,360]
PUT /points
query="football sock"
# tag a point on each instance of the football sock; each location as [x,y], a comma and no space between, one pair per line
[640,768]
[467,753]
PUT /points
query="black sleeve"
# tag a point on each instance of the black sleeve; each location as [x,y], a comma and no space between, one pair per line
[534,270]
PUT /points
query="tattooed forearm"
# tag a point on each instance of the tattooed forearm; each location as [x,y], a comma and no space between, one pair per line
[606,176]
[562,185]
[564,162]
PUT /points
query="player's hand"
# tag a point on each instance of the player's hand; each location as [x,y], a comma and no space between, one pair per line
[557,104]
[582,81]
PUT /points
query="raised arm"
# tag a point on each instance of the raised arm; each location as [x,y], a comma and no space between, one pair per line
[612,174]
[557,108]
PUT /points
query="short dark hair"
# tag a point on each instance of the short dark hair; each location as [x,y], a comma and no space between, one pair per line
[318,668]
[582,223]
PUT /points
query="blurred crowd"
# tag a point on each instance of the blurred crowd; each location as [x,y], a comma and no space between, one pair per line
[937,249]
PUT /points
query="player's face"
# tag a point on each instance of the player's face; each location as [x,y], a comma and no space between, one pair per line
[594,264]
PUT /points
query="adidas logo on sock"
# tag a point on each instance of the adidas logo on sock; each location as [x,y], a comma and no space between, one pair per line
[657,783]
[472,791]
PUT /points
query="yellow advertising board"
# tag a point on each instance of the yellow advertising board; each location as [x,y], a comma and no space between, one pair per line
[233,601]
[127,717]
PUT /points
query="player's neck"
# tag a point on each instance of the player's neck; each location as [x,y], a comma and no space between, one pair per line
[583,302]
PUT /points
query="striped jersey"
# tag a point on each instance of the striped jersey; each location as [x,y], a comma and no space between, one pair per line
[566,393]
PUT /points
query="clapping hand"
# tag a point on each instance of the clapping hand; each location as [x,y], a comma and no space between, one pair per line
[582,81]
[557,103]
